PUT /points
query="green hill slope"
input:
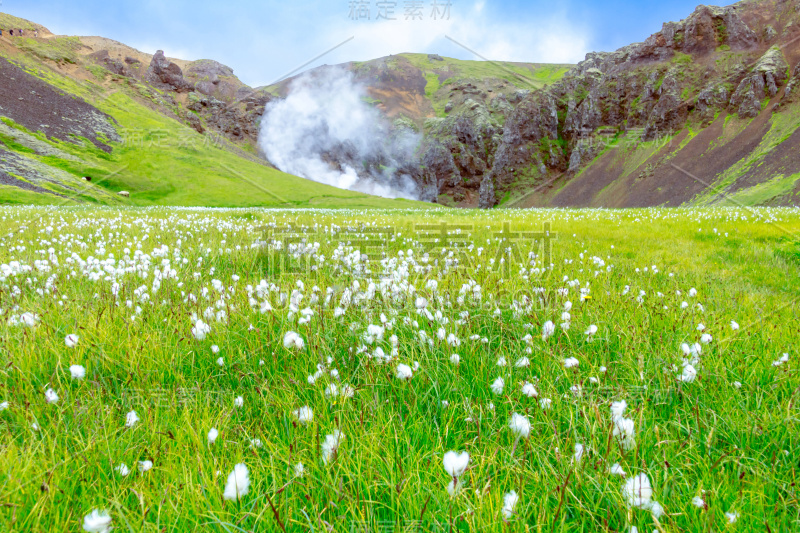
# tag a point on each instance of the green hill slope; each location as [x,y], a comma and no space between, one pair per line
[143,146]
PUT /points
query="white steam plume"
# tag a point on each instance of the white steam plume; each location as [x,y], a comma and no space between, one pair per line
[324,131]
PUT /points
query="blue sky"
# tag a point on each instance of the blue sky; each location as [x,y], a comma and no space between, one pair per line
[263,40]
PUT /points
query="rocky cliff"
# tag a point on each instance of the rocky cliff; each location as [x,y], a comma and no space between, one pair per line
[717,65]
[621,128]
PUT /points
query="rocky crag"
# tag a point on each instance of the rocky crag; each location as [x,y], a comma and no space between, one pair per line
[721,65]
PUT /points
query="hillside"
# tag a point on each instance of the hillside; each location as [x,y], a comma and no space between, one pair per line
[459,108]
[75,108]
[703,112]
[420,86]
[706,111]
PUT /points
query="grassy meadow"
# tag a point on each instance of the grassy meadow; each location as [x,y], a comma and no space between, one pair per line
[174,369]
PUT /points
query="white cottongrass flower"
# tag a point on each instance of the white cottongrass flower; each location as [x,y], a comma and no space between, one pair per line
[501,361]
[455,359]
[529,390]
[293,341]
[238,402]
[638,492]
[221,361]
[299,470]
[616,470]
[520,426]
[498,385]
[144,466]
[97,522]
[732,516]
[618,409]
[510,500]
[50,396]
[3,406]
[122,469]
[737,384]
[455,464]
[688,375]
[404,372]
[77,372]
[256,443]
[698,501]
[453,487]
[545,403]
[454,341]
[331,445]
[706,338]
[212,435]
[238,484]
[548,330]
[131,419]
[571,362]
[657,510]
[590,331]
[734,325]
[579,450]
[71,340]
[215,349]
[783,359]
[304,415]
[624,429]
[523,362]
[200,330]
[29,320]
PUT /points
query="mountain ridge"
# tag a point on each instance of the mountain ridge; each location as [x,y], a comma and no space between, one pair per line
[703,111]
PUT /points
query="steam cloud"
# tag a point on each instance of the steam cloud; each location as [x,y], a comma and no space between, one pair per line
[324,131]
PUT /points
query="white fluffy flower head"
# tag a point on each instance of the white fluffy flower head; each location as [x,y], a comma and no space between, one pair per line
[238,484]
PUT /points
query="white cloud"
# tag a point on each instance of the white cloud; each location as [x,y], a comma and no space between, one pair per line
[551,40]
[264,39]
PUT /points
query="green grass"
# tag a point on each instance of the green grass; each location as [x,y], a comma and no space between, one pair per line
[523,75]
[56,49]
[163,162]
[735,447]
[8,22]
[763,193]
[782,125]
[160,161]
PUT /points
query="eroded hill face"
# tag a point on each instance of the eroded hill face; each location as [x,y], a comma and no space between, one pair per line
[704,111]
[459,108]
[92,121]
